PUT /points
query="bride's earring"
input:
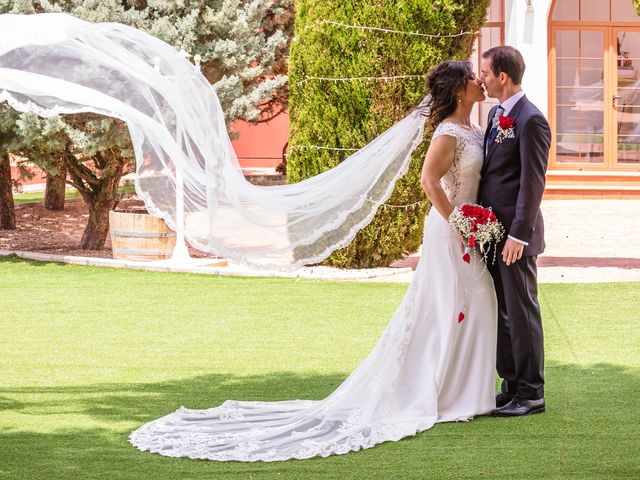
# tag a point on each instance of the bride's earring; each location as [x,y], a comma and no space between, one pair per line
[459,100]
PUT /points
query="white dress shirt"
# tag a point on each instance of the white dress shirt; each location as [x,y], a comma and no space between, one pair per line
[510,102]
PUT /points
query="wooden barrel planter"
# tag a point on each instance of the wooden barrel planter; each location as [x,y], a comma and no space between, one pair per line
[137,235]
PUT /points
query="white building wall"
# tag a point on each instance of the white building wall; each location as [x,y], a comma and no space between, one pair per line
[527,31]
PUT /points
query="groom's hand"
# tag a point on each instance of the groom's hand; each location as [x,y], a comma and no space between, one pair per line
[512,251]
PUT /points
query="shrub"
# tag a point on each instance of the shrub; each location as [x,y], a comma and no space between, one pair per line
[351,114]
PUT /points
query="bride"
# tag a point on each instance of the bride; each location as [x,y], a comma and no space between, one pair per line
[428,367]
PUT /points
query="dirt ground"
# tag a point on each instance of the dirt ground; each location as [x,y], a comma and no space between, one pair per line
[41,230]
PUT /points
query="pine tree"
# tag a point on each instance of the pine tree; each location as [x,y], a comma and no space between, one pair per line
[243,45]
[96,152]
[54,194]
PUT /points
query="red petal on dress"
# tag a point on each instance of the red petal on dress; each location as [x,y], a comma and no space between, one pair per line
[467,258]
[460,317]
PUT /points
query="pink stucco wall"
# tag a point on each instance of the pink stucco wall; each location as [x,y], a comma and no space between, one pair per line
[261,145]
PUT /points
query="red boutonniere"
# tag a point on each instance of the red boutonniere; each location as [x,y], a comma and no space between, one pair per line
[505,128]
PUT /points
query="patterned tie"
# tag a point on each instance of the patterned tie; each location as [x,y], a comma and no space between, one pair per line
[493,133]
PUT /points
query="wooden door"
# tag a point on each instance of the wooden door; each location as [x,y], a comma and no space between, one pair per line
[594,85]
[625,98]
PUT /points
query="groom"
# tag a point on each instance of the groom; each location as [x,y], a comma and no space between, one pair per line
[513,177]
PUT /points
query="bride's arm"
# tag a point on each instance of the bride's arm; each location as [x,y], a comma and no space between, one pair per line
[437,162]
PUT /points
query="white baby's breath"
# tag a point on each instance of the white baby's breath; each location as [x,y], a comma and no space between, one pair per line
[490,232]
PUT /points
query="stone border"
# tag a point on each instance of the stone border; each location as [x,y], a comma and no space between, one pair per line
[551,274]
[200,265]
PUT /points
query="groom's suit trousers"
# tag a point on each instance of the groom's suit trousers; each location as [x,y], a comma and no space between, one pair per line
[512,183]
[520,354]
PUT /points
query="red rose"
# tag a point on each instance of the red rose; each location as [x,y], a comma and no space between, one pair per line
[505,122]
[477,215]
[470,211]
[472,241]
[467,210]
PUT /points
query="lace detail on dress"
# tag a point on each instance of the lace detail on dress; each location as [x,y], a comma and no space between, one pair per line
[461,182]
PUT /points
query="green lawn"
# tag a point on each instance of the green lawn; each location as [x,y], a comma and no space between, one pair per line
[89,354]
[37,197]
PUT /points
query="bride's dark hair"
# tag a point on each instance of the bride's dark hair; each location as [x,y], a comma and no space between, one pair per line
[444,82]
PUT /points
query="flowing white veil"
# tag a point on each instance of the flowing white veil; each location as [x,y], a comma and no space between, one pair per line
[56,64]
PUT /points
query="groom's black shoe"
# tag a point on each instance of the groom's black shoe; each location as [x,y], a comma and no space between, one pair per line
[503,398]
[518,407]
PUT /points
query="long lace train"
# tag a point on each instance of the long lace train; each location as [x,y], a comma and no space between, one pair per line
[426,368]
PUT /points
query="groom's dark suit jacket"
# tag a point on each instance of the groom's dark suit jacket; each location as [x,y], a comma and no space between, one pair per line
[513,175]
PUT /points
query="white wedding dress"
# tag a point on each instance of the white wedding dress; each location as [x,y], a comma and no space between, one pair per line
[426,368]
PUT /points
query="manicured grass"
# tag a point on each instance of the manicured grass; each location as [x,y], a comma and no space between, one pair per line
[89,354]
[38,197]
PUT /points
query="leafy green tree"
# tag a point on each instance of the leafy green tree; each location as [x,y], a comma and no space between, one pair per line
[351,114]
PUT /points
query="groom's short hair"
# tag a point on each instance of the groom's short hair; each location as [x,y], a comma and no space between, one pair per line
[508,60]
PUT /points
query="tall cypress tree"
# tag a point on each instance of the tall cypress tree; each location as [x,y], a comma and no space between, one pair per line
[350,114]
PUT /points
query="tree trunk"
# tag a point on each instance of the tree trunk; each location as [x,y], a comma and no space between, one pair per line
[104,200]
[7,209]
[54,194]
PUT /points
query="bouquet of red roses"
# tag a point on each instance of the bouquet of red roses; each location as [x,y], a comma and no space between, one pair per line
[477,225]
